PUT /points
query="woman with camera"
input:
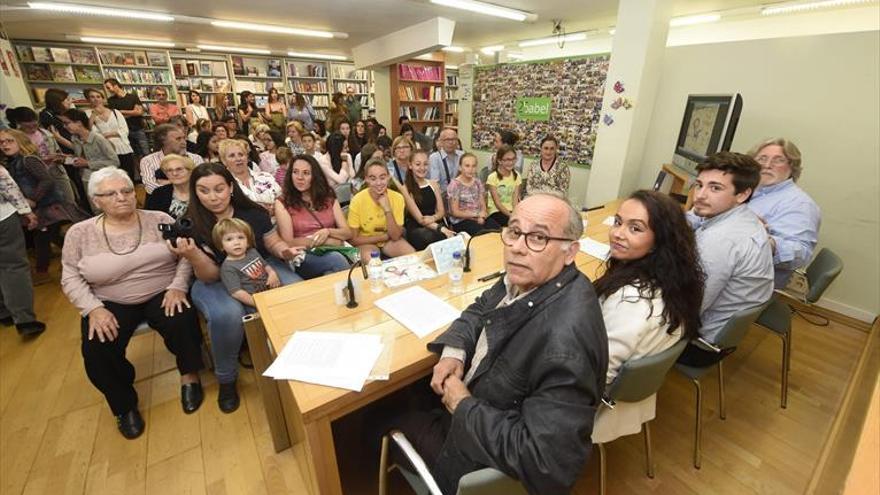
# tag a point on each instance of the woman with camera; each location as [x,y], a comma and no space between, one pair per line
[172,198]
[118,271]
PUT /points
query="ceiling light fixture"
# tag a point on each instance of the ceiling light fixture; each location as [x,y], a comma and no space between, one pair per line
[116,41]
[216,48]
[72,8]
[451,67]
[269,28]
[487,9]
[515,56]
[612,31]
[317,55]
[553,39]
[491,50]
[454,49]
[792,7]
[690,20]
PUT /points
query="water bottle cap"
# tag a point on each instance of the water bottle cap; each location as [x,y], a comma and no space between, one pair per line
[456,255]
[374,254]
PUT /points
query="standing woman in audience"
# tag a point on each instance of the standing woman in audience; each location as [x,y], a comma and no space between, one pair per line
[504,137]
[649,295]
[308,215]
[118,272]
[337,167]
[338,113]
[301,111]
[45,199]
[260,187]
[467,199]
[790,215]
[172,198]
[196,110]
[111,124]
[92,150]
[548,173]
[162,109]
[274,111]
[57,102]
[425,215]
[376,215]
[215,195]
[402,150]
[247,111]
[25,120]
[503,184]
[224,107]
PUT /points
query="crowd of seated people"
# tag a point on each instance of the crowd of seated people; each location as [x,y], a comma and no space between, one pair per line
[261,191]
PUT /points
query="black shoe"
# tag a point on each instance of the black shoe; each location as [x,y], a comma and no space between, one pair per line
[7,322]
[130,424]
[191,396]
[244,359]
[228,399]
[30,328]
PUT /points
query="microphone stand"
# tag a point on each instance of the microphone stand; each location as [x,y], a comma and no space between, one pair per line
[352,302]
[467,249]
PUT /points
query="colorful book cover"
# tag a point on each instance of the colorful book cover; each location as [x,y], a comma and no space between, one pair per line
[83,56]
[42,54]
[24,53]
[60,55]
[38,72]
[274,69]
[157,59]
[87,74]
[63,73]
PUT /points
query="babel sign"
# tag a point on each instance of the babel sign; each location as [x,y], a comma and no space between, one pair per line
[533,108]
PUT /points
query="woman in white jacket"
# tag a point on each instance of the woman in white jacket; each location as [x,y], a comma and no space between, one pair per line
[650,295]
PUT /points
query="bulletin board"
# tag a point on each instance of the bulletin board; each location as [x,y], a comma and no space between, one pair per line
[513,96]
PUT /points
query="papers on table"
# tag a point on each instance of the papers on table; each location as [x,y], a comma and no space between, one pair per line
[342,360]
[609,221]
[595,249]
[418,310]
[404,270]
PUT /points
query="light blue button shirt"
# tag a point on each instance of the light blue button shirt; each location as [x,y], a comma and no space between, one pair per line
[793,219]
[436,170]
[738,262]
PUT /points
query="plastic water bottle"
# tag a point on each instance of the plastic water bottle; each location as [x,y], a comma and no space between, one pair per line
[455,274]
[374,270]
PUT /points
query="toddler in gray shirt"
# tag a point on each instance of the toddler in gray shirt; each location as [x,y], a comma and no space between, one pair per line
[244,272]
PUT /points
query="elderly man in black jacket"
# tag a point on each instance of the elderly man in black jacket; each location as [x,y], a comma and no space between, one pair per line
[522,371]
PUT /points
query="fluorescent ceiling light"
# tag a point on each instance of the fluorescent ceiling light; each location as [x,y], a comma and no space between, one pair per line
[72,8]
[116,41]
[489,50]
[487,9]
[694,19]
[553,39]
[792,7]
[455,49]
[451,67]
[516,56]
[216,48]
[317,55]
[612,31]
[269,28]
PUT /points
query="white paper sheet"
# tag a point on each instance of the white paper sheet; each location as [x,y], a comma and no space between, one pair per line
[342,360]
[418,310]
[595,249]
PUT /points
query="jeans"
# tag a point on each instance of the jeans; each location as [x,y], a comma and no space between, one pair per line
[139,142]
[315,266]
[223,314]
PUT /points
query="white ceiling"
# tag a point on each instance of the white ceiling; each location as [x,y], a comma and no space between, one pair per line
[363,20]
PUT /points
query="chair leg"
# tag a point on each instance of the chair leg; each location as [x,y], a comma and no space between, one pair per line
[383,467]
[649,452]
[602,480]
[698,429]
[786,367]
[722,412]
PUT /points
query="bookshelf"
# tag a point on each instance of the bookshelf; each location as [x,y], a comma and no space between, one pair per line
[450,118]
[73,68]
[418,91]
[258,75]
[311,79]
[345,75]
[207,74]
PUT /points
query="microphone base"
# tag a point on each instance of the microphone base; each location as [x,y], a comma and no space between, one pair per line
[351,304]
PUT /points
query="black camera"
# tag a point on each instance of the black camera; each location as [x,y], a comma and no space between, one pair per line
[171,231]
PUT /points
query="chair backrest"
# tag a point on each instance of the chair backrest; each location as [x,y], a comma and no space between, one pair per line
[484,174]
[825,267]
[489,481]
[736,327]
[641,378]
[343,194]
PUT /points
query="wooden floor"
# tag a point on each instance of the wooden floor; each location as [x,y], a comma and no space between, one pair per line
[57,435]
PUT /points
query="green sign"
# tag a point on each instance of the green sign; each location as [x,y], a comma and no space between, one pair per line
[533,109]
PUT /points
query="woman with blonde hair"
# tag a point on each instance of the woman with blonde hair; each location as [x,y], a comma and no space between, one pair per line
[398,166]
[260,187]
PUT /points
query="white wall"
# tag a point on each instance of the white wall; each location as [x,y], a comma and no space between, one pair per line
[822,92]
[13,92]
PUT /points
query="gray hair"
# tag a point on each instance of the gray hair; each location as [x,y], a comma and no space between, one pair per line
[574,226]
[789,149]
[99,176]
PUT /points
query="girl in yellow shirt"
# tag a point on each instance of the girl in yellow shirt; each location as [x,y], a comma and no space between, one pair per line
[375,215]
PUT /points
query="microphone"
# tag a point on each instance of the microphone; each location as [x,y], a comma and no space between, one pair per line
[352,302]
[467,249]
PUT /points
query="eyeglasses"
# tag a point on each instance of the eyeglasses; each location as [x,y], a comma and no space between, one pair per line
[174,171]
[403,147]
[777,160]
[535,241]
[7,141]
[124,192]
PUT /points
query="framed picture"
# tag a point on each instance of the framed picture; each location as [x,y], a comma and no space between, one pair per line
[204,68]
[274,68]
[157,59]
[42,54]
[60,55]
[63,73]
[83,56]
[140,58]
[238,65]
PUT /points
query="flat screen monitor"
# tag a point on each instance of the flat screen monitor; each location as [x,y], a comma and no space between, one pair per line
[707,127]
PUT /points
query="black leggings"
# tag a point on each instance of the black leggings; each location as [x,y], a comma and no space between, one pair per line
[500,218]
[106,364]
[43,240]
[474,228]
[420,237]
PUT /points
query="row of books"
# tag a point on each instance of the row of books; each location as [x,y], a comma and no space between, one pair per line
[451,80]
[57,55]
[125,57]
[146,92]
[306,70]
[145,76]
[420,72]
[309,87]
[452,107]
[207,100]
[451,93]
[318,100]
[426,93]
[451,120]
[342,86]
[258,86]
[345,72]
[252,67]
[199,68]
[411,112]
[215,85]
[63,73]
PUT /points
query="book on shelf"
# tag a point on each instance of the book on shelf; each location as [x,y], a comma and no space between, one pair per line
[273,68]
[310,86]
[451,80]
[83,56]
[251,71]
[42,54]
[451,93]
[205,69]
[452,107]
[419,72]
[191,68]
[320,114]
[431,130]
[61,55]
[25,54]
[431,113]
[63,73]
[238,65]
[135,76]
[157,59]
[348,72]
[318,100]
[38,72]
[222,85]
[342,86]
[144,92]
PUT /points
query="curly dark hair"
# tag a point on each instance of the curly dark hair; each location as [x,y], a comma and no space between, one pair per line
[672,267]
[320,193]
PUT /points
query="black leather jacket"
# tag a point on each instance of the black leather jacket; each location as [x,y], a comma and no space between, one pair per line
[535,394]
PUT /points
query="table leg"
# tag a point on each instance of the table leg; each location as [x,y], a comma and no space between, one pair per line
[262,358]
[321,455]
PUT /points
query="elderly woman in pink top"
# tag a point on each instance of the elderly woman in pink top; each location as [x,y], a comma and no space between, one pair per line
[118,271]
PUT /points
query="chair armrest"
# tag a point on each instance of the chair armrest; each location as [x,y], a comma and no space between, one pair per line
[705,344]
[416,460]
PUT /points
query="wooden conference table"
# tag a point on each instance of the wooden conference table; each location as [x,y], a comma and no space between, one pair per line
[300,414]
